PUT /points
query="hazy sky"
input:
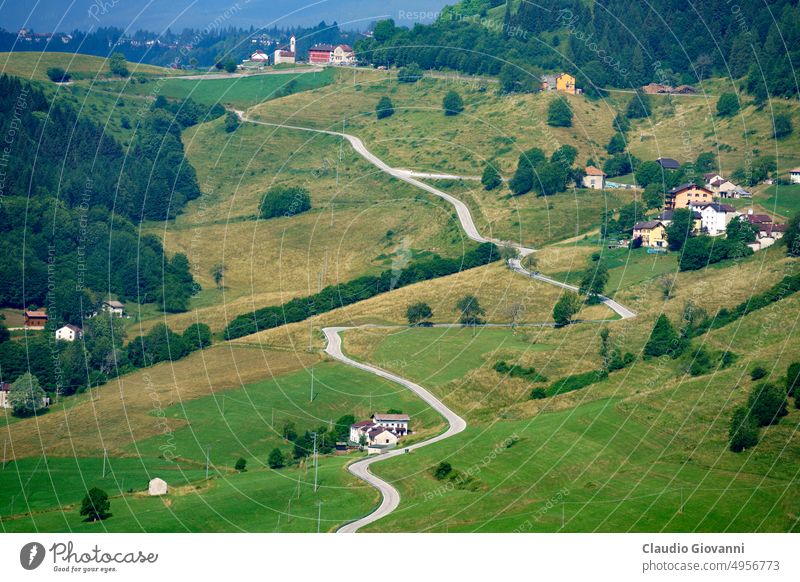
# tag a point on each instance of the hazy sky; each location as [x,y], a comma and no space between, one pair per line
[157,15]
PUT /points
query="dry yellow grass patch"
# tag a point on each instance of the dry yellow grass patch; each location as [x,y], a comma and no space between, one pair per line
[420,137]
[127,409]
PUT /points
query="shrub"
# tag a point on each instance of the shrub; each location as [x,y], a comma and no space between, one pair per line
[452,103]
[559,113]
[470,309]
[117,65]
[639,106]
[442,470]
[384,108]
[758,372]
[793,379]
[276,460]
[95,505]
[566,307]
[767,403]
[782,126]
[231,122]
[491,177]
[419,313]
[197,336]
[58,75]
[538,394]
[617,144]
[516,371]
[743,431]
[727,105]
[241,465]
[285,201]
[663,340]
[409,74]
[576,382]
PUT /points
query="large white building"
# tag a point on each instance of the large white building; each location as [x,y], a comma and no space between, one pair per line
[157,487]
[382,429]
[69,333]
[714,217]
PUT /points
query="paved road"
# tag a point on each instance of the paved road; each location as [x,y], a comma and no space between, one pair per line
[390,496]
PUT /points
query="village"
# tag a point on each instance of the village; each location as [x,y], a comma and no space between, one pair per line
[319,55]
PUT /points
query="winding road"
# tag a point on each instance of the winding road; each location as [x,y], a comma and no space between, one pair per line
[390,496]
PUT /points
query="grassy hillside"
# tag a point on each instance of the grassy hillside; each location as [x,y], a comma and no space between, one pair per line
[644,450]
[34,65]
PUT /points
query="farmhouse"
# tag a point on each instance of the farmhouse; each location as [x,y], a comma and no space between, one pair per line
[35,319]
[113,307]
[794,175]
[382,429]
[284,54]
[651,233]
[69,333]
[722,187]
[686,194]
[563,82]
[594,178]
[157,487]
[715,217]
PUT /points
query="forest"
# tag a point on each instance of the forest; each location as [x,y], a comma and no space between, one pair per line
[675,43]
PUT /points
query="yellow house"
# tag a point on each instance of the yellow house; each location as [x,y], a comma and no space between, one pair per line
[651,232]
[565,83]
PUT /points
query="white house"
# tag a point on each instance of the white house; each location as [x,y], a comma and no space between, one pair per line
[393,421]
[714,217]
[259,57]
[157,487]
[5,388]
[722,187]
[113,307]
[343,54]
[794,175]
[594,178]
[383,430]
[284,54]
[69,333]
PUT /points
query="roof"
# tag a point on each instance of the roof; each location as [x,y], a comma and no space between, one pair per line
[687,186]
[404,417]
[285,53]
[592,171]
[758,218]
[668,163]
[345,47]
[74,328]
[362,423]
[376,431]
[647,225]
[35,313]
[795,171]
[770,228]
[322,48]
[114,304]
[5,387]
[715,206]
[709,175]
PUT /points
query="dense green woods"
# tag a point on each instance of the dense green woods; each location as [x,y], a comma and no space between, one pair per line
[674,42]
[71,202]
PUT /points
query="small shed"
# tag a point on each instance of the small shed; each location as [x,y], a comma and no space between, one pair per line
[157,487]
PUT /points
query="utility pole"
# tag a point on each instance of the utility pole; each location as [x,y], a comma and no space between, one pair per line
[312,384]
[563,506]
[5,444]
[105,456]
[208,455]
[316,462]
[319,514]
[310,334]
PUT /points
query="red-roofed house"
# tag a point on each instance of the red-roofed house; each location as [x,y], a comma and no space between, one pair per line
[343,55]
[320,54]
[594,178]
[35,319]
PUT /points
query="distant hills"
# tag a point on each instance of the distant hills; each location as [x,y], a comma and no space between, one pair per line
[57,15]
